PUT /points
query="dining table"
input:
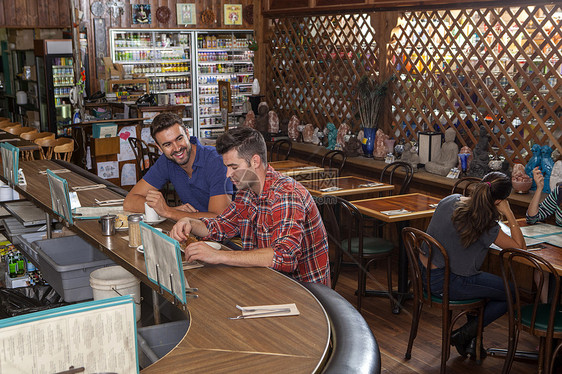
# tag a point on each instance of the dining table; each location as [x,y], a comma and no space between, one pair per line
[400,210]
[345,186]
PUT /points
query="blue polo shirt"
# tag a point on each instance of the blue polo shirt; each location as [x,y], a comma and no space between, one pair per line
[208,177]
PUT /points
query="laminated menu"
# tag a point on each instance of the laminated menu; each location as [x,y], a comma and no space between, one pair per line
[99,336]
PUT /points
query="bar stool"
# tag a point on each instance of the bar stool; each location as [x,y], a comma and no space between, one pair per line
[21,130]
[32,136]
[5,125]
[47,144]
[63,149]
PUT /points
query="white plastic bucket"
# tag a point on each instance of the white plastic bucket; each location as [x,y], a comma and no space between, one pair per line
[113,281]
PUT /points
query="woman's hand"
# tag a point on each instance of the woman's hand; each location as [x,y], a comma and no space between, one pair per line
[504,208]
[539,178]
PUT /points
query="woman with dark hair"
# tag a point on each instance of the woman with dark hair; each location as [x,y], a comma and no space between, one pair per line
[466,227]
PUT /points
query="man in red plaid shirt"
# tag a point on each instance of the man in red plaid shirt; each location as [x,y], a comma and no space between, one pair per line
[275,216]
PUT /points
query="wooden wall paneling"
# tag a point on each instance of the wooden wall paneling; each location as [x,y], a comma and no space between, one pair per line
[287,4]
[43,13]
[21,13]
[32,18]
[64,13]
[53,12]
[2,13]
[9,12]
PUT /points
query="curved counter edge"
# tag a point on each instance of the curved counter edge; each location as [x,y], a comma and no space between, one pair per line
[355,349]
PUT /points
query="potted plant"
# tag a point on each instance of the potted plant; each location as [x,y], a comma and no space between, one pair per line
[371,97]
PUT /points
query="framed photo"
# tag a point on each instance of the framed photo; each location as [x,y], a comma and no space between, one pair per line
[186,14]
[225,96]
[141,14]
[232,14]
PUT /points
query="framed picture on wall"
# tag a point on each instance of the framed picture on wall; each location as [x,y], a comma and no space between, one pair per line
[186,14]
[232,14]
[141,14]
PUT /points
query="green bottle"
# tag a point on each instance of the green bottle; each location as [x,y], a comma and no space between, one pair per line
[21,264]
[12,266]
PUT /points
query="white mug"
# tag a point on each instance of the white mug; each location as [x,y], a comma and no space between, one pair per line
[150,214]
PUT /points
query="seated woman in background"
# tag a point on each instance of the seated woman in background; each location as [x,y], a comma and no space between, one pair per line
[466,227]
[551,205]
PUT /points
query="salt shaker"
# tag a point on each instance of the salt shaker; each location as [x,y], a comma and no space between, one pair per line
[134,229]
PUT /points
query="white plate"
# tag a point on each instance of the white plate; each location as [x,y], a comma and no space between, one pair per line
[155,222]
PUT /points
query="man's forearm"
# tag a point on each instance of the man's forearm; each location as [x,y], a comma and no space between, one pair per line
[198,228]
[134,203]
[177,214]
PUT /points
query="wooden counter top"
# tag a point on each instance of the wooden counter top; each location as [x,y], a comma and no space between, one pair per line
[213,343]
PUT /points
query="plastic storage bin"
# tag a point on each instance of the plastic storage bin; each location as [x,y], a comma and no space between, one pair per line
[66,263]
[156,341]
[24,243]
[14,227]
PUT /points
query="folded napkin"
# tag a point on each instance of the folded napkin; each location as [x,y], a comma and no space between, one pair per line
[307,167]
[395,212]
[373,184]
[191,265]
[330,189]
[261,311]
[433,205]
[88,187]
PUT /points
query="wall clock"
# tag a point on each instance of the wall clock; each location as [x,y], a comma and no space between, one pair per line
[97,8]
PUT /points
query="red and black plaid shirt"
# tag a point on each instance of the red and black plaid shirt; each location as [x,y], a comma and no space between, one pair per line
[283,217]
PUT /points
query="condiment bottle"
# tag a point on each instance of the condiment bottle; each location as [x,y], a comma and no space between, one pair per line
[134,229]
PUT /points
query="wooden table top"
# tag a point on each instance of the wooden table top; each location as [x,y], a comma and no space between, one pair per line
[16,141]
[416,204]
[213,344]
[288,164]
[345,186]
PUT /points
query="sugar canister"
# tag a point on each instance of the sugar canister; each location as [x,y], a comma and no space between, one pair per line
[134,229]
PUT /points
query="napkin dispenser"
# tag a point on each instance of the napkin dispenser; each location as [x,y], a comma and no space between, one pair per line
[429,146]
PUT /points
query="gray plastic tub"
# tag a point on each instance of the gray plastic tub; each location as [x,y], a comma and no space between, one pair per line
[156,341]
[14,227]
[24,243]
[66,263]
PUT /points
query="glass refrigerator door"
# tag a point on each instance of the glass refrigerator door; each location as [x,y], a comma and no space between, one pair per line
[59,79]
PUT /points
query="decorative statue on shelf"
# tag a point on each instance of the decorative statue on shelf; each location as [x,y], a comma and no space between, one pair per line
[316,136]
[556,175]
[380,147]
[447,157]
[262,119]
[308,133]
[480,159]
[273,122]
[410,155]
[520,181]
[533,163]
[292,128]
[465,158]
[352,147]
[343,130]
[331,133]
[546,166]
[250,120]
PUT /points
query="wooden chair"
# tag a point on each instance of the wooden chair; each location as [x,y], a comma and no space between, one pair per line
[47,144]
[390,169]
[462,185]
[32,136]
[5,125]
[141,150]
[63,149]
[413,241]
[330,160]
[276,153]
[12,129]
[348,241]
[21,130]
[541,320]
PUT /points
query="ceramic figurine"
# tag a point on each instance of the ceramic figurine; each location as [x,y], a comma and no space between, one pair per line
[546,166]
[250,120]
[256,87]
[273,122]
[533,163]
[315,138]
[520,181]
[262,119]
[389,144]
[465,164]
[447,157]
[380,147]
[556,175]
[352,147]
[332,134]
[480,159]
[292,128]
[410,155]
[342,132]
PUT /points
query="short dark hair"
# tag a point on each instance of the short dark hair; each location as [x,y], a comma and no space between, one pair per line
[247,141]
[163,121]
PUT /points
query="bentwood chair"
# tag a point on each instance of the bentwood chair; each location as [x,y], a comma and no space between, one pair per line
[463,185]
[414,239]
[277,153]
[330,160]
[344,224]
[63,149]
[142,151]
[391,169]
[543,320]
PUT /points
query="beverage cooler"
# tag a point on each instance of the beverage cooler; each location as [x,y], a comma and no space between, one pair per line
[55,78]
[183,67]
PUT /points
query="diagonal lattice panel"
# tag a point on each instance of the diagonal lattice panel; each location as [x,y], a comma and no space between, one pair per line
[314,64]
[496,67]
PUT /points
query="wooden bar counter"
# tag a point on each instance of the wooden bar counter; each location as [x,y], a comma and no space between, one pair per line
[213,343]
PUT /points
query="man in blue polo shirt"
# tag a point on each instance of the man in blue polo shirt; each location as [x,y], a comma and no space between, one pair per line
[196,171]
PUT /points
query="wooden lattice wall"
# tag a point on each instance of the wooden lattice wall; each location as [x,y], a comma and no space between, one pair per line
[496,67]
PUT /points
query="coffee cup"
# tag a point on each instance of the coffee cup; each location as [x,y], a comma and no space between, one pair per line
[150,214]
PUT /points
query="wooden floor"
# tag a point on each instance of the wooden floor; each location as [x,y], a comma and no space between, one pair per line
[392,331]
